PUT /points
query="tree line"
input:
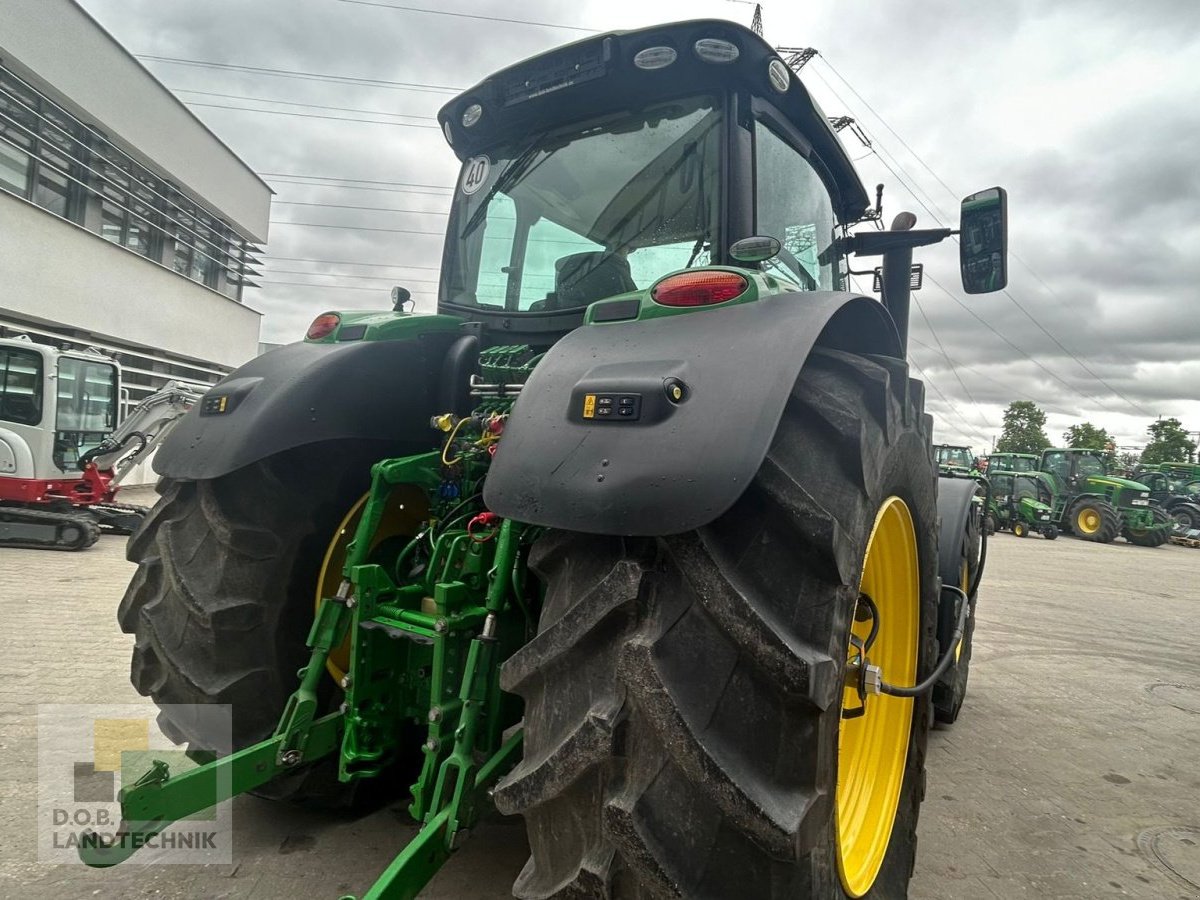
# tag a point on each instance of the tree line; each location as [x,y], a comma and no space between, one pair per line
[1025,432]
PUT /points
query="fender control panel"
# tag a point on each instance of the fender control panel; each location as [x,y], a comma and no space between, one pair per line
[631,399]
[612,407]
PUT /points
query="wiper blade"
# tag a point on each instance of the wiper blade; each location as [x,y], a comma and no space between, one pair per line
[516,167]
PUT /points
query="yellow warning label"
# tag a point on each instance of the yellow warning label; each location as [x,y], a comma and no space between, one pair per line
[589,406]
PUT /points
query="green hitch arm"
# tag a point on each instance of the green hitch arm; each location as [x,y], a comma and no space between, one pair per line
[459,768]
[156,800]
[328,631]
[420,860]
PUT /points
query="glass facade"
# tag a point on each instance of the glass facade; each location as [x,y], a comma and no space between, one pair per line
[52,159]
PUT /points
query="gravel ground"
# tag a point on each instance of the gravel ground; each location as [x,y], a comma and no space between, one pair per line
[1072,772]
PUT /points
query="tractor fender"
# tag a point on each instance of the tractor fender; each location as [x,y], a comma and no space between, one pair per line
[674,464]
[16,459]
[955,501]
[306,393]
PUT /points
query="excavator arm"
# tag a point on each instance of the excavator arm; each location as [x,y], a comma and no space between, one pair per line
[142,430]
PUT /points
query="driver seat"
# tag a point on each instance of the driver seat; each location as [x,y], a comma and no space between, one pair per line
[583,278]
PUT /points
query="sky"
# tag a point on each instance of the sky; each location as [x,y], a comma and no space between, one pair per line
[1086,111]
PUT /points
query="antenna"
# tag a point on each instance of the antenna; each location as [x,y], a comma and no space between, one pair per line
[756,23]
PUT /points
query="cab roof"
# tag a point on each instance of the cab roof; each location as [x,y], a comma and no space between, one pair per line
[597,76]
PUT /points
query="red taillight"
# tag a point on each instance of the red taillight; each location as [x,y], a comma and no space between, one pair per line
[322,326]
[702,288]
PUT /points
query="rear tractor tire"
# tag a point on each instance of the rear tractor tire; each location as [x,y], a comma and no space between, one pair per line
[1020,529]
[683,721]
[223,598]
[1156,535]
[1093,519]
[1186,515]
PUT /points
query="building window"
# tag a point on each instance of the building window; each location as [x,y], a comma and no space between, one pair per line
[14,169]
[74,171]
[52,191]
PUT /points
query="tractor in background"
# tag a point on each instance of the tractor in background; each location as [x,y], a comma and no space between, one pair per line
[1167,493]
[62,453]
[954,459]
[1022,502]
[1013,462]
[1096,506]
[641,535]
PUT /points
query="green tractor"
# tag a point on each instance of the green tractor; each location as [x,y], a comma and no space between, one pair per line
[638,535]
[1023,503]
[1012,462]
[952,459]
[1169,494]
[1096,506]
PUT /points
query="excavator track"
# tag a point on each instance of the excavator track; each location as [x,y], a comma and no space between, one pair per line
[37,529]
[117,518]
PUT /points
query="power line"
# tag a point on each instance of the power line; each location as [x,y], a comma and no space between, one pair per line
[359,187]
[357,80]
[940,217]
[953,369]
[347,262]
[924,376]
[460,15]
[989,327]
[284,112]
[423,212]
[393,280]
[356,227]
[373,112]
[990,377]
[436,187]
[971,429]
[341,287]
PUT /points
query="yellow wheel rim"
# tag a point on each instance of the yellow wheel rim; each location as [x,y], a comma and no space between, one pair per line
[872,749]
[402,517]
[1088,520]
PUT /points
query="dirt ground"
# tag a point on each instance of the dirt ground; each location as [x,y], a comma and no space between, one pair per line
[1073,772]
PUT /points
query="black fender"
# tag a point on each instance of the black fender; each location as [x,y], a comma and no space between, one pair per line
[306,393]
[955,505]
[674,465]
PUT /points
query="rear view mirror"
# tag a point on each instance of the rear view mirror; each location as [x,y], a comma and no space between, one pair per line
[983,244]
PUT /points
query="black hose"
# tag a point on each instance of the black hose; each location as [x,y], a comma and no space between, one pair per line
[944,662]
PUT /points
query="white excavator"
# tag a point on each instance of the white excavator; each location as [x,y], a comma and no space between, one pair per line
[63,453]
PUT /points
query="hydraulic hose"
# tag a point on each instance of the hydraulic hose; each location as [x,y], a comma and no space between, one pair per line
[944,663]
[983,538]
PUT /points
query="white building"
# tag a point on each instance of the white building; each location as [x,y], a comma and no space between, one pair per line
[125,224]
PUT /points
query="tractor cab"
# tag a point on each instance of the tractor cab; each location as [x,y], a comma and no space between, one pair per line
[55,406]
[1013,462]
[952,459]
[1082,470]
[1022,502]
[590,173]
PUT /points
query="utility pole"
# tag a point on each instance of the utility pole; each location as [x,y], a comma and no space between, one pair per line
[796,57]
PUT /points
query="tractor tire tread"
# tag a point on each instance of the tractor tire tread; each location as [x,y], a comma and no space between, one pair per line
[672,674]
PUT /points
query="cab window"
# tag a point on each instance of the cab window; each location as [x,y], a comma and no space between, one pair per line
[794,208]
[20,386]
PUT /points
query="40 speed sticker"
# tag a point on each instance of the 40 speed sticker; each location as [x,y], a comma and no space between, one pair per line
[475,174]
